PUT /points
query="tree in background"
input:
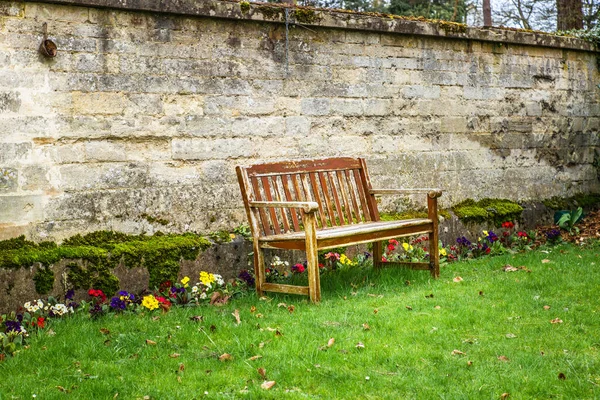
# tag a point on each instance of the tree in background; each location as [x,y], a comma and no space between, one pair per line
[527,14]
[569,15]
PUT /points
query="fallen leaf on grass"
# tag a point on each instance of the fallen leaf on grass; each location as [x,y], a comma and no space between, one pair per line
[213,328]
[437,307]
[262,372]
[375,311]
[366,327]
[291,309]
[104,331]
[267,385]
[509,268]
[225,357]
[2,357]
[281,305]
[277,333]
[218,299]
[150,342]
[469,363]
[481,292]
[504,396]
[510,336]
[562,376]
[174,355]
[546,307]
[259,315]
[458,353]
[197,318]
[256,357]
[330,342]
[503,358]
[556,321]
[360,345]
[545,260]
[155,318]
[62,389]
[181,367]
[457,279]
[252,309]
[50,332]
[236,315]
[409,308]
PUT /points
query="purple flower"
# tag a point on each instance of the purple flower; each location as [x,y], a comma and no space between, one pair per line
[552,234]
[175,290]
[463,241]
[13,326]
[117,304]
[70,294]
[246,277]
[492,237]
[367,255]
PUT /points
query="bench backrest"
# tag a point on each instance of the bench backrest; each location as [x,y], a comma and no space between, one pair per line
[339,185]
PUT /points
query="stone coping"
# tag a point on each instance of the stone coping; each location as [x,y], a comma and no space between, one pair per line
[342,19]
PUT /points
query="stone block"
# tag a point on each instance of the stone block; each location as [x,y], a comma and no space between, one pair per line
[315,106]
[346,107]
[211,149]
[261,126]
[35,178]
[10,102]
[454,124]
[99,103]
[104,150]
[424,92]
[28,208]
[11,152]
[96,176]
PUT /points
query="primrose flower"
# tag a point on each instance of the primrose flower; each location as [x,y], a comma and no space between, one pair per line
[194,289]
[346,261]
[407,247]
[485,233]
[298,268]
[150,302]
[206,278]
[59,309]
[443,252]
[185,281]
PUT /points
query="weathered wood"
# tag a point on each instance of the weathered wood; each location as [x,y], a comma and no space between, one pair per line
[336,203]
[281,288]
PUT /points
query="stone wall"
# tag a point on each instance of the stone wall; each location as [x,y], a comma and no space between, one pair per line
[138,122]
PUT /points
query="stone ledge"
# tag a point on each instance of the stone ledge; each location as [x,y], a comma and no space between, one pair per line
[342,19]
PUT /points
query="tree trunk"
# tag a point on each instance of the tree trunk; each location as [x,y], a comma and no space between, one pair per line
[487,13]
[569,15]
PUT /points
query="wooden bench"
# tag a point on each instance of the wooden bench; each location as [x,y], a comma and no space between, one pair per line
[314,205]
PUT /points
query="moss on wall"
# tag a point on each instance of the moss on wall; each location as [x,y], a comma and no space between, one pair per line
[488,210]
[102,251]
[579,200]
[44,280]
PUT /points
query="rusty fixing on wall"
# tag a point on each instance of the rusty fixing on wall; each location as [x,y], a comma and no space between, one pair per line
[48,47]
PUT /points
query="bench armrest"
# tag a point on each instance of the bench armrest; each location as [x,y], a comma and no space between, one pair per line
[307,206]
[431,192]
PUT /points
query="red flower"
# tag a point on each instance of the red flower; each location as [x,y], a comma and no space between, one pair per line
[321,265]
[391,247]
[487,251]
[164,301]
[298,268]
[393,241]
[97,293]
[41,322]
[521,234]
[383,259]
[508,224]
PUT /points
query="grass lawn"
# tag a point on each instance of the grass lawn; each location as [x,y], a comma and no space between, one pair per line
[392,334]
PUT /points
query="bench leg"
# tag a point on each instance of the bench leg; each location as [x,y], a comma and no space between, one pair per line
[312,257]
[377,254]
[259,268]
[434,251]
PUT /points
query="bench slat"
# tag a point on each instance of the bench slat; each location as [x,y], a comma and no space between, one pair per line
[315,187]
[288,197]
[263,215]
[330,216]
[281,288]
[303,166]
[283,211]
[269,197]
[344,191]
[352,191]
[338,219]
[362,196]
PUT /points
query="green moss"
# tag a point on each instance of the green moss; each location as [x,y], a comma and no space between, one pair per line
[454,27]
[152,219]
[403,215]
[271,12]
[305,16]
[578,200]
[245,6]
[103,250]
[44,280]
[488,210]
[220,237]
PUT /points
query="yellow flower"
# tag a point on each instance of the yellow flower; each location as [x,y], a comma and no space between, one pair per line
[150,302]
[346,261]
[206,278]
[443,252]
[485,233]
[185,281]
[407,247]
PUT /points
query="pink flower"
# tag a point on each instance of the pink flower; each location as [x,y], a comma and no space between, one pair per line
[298,268]
[332,256]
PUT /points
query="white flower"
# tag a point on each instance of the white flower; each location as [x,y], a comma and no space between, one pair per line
[219,280]
[59,309]
[194,289]
[203,295]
